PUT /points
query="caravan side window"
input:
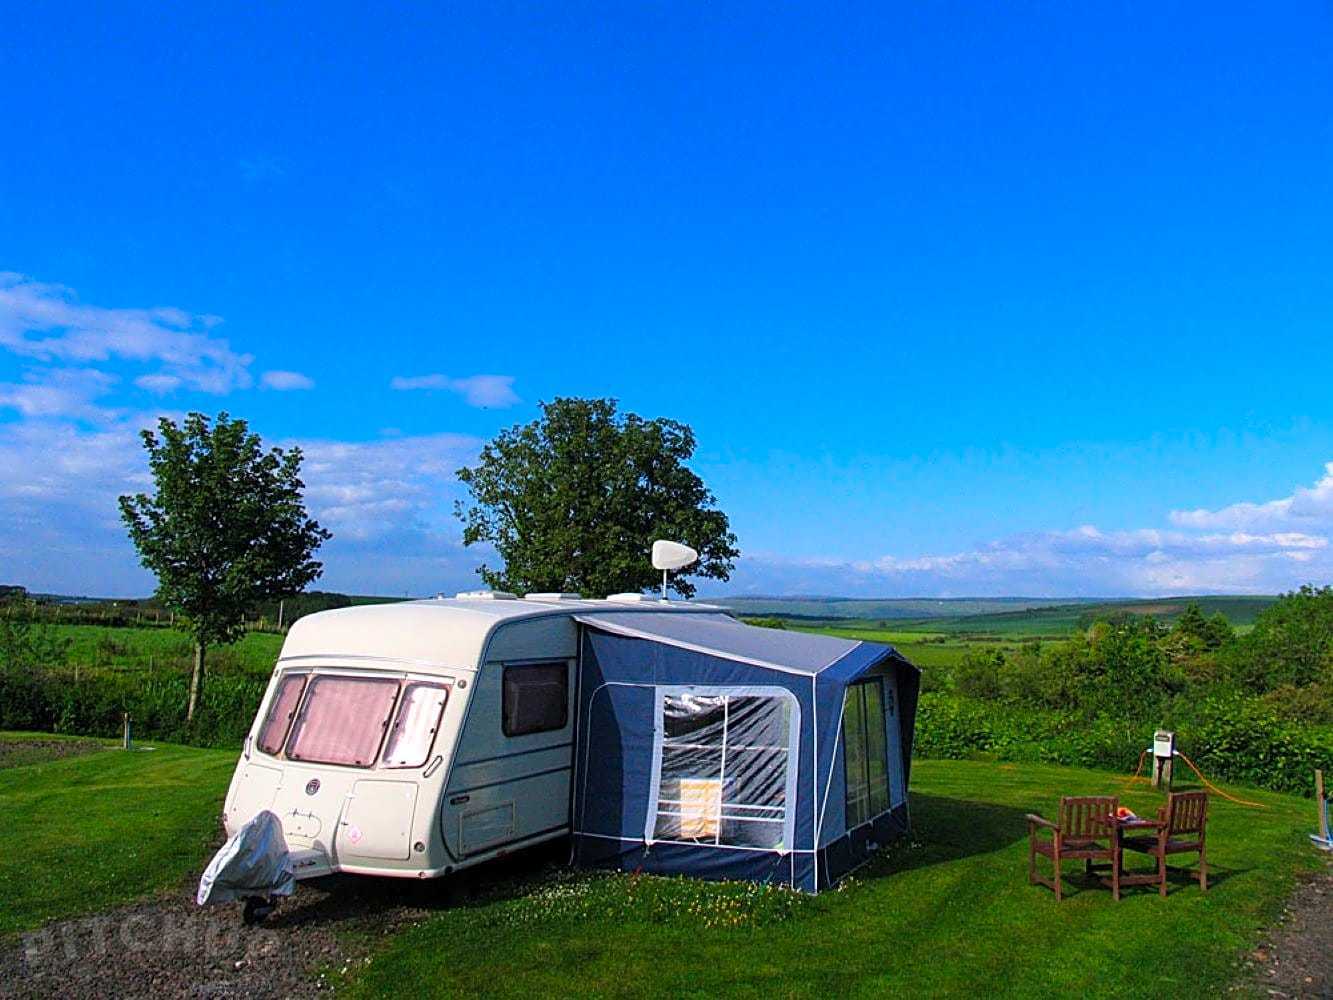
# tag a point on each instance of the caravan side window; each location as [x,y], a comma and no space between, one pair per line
[535,698]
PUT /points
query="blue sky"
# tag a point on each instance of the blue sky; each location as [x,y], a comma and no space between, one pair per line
[1034,301]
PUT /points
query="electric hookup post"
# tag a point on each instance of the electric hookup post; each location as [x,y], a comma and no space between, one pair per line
[1163,758]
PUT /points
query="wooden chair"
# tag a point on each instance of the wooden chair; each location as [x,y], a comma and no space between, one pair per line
[1184,820]
[1086,830]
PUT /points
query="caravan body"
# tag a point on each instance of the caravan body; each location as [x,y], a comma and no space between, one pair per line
[420,738]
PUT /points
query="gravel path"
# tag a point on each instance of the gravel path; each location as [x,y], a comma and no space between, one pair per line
[169,947]
[1296,957]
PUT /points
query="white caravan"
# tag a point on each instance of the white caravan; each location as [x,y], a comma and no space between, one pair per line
[420,738]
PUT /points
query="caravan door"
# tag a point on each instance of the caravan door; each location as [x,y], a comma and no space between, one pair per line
[511,782]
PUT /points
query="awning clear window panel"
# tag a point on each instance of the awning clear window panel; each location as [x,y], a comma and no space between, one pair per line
[724,769]
[866,751]
[877,754]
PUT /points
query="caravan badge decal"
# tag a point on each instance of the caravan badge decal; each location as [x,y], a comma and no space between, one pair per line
[312,786]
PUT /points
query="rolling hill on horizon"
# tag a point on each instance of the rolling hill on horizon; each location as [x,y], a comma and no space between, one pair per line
[1014,617]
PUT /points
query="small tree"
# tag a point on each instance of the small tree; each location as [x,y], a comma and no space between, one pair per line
[574,500]
[226,528]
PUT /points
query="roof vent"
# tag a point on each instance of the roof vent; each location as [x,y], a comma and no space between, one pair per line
[485,595]
[552,596]
[633,599]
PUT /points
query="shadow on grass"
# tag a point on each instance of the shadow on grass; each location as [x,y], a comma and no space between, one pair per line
[947,829]
[1076,881]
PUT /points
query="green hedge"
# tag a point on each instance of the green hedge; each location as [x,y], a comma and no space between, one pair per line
[92,705]
[1229,737]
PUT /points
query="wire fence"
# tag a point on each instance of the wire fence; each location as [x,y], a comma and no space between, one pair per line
[115,616]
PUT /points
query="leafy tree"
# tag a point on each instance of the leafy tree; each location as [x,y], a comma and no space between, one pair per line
[574,500]
[1291,643]
[1191,622]
[1195,632]
[225,528]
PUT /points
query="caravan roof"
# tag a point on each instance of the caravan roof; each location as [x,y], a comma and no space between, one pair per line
[447,631]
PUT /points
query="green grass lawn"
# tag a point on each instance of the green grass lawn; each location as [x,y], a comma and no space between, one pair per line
[83,833]
[947,913]
[162,648]
[950,914]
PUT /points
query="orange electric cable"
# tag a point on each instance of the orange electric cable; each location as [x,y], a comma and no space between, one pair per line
[1135,776]
[1243,802]
[1139,770]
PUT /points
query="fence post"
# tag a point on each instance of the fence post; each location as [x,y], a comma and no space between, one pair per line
[125,737]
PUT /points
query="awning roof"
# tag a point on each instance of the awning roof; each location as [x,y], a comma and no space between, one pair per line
[723,636]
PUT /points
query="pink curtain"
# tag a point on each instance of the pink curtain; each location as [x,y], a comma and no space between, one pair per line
[273,734]
[343,720]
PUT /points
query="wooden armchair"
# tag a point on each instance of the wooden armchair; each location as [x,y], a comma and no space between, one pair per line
[1086,830]
[1184,820]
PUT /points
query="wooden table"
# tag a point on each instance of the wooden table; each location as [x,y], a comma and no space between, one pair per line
[1118,829]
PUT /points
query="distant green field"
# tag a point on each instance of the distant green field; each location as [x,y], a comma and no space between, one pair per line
[1062,620]
[941,642]
[162,648]
[923,649]
[827,609]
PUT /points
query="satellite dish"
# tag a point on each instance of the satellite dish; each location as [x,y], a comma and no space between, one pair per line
[671,555]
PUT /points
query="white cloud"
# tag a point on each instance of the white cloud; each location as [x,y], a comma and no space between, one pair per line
[46,323]
[1251,547]
[64,392]
[1307,506]
[286,381]
[371,489]
[489,391]
[158,384]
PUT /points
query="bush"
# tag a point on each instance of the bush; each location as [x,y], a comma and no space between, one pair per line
[1311,706]
[1242,738]
[978,674]
[1230,738]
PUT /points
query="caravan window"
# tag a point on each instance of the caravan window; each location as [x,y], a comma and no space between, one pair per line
[274,732]
[343,720]
[413,733]
[535,698]
[866,756]
[725,766]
